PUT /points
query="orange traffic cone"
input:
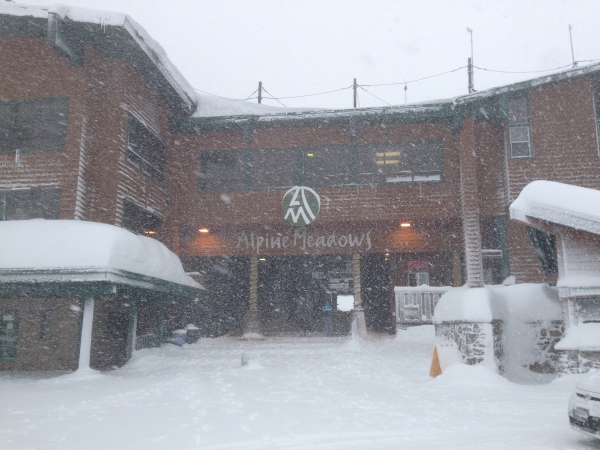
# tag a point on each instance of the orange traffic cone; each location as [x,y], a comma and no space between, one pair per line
[436,368]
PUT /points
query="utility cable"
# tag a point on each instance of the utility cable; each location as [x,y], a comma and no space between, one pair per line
[531,71]
[418,79]
[277,100]
[373,95]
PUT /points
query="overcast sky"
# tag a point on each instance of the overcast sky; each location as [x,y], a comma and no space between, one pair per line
[299,47]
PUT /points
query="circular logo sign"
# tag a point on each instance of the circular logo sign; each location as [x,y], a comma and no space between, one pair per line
[300,206]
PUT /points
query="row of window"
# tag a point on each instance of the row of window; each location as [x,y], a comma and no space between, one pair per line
[336,165]
[24,204]
[33,125]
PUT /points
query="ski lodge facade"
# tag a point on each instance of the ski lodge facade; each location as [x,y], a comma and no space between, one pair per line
[97,125]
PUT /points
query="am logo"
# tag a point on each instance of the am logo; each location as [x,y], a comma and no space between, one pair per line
[300,206]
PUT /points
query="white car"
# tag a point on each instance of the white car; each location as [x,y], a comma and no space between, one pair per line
[584,406]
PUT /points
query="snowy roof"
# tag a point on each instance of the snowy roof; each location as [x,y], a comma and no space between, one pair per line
[583,336]
[563,204]
[105,19]
[214,106]
[520,302]
[88,249]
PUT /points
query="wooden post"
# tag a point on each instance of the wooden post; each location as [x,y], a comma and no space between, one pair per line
[260,92]
[355,92]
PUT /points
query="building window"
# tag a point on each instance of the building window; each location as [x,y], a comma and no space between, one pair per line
[401,162]
[140,220]
[24,204]
[589,309]
[145,151]
[519,129]
[418,278]
[274,168]
[544,245]
[33,125]
[326,166]
[46,325]
[9,334]
[222,170]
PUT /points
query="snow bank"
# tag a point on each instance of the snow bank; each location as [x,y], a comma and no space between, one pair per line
[464,305]
[583,336]
[519,303]
[39,244]
[564,204]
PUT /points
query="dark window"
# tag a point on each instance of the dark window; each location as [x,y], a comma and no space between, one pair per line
[23,204]
[589,309]
[6,124]
[222,170]
[140,220]
[519,129]
[33,125]
[9,334]
[274,168]
[544,245]
[145,151]
[326,166]
[400,162]
[46,325]
[40,124]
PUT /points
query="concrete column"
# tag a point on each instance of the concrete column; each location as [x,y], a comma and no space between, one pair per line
[85,344]
[252,319]
[359,325]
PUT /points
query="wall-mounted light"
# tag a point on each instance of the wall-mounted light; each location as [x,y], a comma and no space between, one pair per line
[405,224]
[262,259]
[149,232]
[310,154]
[203,230]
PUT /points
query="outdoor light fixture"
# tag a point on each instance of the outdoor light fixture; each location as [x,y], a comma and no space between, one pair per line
[309,154]
[405,225]
[262,259]
[203,230]
[149,232]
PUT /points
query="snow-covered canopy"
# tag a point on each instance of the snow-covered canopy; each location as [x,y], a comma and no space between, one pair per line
[563,204]
[148,45]
[583,336]
[519,303]
[40,245]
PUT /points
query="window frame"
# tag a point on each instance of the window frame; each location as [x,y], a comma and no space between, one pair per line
[61,131]
[33,192]
[144,165]
[519,125]
[395,150]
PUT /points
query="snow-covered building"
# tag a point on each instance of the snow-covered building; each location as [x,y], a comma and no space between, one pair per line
[57,276]
[97,125]
[567,219]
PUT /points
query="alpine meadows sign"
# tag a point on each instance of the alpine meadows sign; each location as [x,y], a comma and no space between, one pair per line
[300,206]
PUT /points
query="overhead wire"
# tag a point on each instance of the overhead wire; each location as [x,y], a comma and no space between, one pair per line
[272,97]
[373,95]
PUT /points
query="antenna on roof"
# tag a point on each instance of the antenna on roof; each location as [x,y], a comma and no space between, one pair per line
[572,52]
[470,65]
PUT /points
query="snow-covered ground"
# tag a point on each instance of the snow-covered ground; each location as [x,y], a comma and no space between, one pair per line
[295,393]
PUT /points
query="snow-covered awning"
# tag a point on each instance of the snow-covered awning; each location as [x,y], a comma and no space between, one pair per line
[584,336]
[37,250]
[562,204]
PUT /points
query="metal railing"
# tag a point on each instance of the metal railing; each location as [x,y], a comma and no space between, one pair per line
[416,305]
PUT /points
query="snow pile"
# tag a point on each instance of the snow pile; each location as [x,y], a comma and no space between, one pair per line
[38,244]
[564,204]
[213,106]
[583,336]
[516,303]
